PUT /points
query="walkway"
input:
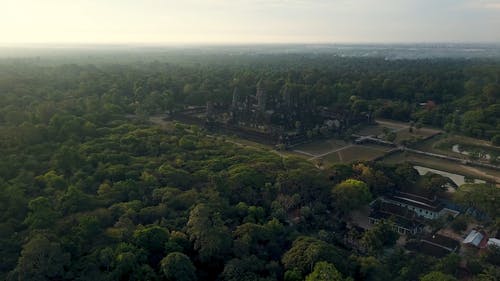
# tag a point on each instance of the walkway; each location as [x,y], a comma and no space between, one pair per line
[316,156]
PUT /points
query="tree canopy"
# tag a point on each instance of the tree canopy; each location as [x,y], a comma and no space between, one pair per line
[95,185]
[351,194]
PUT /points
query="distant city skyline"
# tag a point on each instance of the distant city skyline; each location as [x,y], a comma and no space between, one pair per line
[248,21]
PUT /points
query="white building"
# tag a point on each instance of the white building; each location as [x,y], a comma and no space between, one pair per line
[494,242]
[421,206]
[476,239]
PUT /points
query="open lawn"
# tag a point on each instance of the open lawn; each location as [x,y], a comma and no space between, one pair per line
[372,130]
[251,144]
[354,153]
[422,133]
[337,151]
[333,158]
[320,147]
[360,153]
[401,129]
[328,151]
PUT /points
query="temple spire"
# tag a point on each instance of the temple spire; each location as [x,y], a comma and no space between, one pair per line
[261,96]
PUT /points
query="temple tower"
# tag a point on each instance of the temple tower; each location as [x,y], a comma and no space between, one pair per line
[261,97]
[287,96]
[236,96]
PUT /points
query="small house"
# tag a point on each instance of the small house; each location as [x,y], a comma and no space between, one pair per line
[477,239]
[493,242]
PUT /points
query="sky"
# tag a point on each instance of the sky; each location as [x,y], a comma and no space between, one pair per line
[248,21]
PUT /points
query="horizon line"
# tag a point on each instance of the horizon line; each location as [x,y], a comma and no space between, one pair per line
[222,44]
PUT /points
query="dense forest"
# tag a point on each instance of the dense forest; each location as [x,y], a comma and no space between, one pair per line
[455,94]
[90,190]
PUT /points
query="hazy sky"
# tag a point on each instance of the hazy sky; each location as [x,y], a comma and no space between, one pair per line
[248,21]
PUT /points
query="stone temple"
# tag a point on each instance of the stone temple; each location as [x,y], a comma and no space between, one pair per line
[287,117]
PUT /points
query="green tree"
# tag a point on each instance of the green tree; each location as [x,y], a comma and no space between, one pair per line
[42,260]
[391,136]
[449,264]
[350,195]
[435,183]
[481,196]
[492,255]
[324,271]
[406,175]
[491,273]
[75,200]
[371,269]
[178,267]
[127,261]
[381,235]
[293,275]
[437,276]
[42,213]
[174,177]
[52,181]
[151,238]
[307,251]
[495,140]
[246,269]
[459,224]
[208,233]
[67,160]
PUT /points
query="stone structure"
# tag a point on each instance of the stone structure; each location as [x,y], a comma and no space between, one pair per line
[287,117]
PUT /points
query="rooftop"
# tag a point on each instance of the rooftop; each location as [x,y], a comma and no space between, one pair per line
[494,242]
[417,201]
[441,241]
[427,249]
[399,215]
[474,238]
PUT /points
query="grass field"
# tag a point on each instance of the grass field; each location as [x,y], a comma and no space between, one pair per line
[255,145]
[338,151]
[373,130]
[353,153]
[401,129]
[332,158]
[321,146]
[405,134]
[360,152]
